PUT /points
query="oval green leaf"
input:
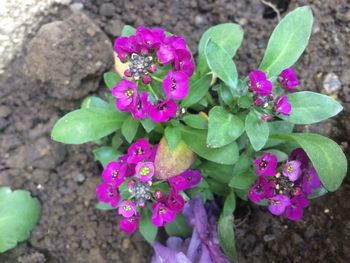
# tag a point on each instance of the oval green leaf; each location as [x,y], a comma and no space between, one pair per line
[85,125]
[197,91]
[310,107]
[223,127]
[196,140]
[129,128]
[19,213]
[106,154]
[146,228]
[326,156]
[257,130]
[229,36]
[288,41]
[227,236]
[196,121]
[111,79]
[221,63]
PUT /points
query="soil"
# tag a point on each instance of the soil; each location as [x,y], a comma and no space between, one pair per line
[63,177]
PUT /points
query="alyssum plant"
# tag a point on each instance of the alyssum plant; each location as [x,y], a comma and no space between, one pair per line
[176,136]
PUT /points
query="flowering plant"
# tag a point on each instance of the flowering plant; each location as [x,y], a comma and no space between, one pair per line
[172,130]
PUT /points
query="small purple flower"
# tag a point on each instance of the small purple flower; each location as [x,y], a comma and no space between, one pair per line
[144,171]
[300,155]
[162,111]
[311,181]
[167,50]
[278,204]
[139,107]
[259,83]
[292,170]
[175,85]
[282,106]
[114,173]
[139,151]
[162,215]
[288,79]
[125,92]
[296,209]
[175,202]
[108,194]
[185,180]
[151,38]
[129,225]
[184,61]
[266,164]
[127,209]
[260,190]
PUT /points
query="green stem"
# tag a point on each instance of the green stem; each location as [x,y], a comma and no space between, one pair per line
[158,182]
[152,91]
[156,78]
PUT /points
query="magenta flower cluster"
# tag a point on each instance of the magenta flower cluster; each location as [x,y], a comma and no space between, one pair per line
[147,51]
[262,88]
[137,170]
[285,190]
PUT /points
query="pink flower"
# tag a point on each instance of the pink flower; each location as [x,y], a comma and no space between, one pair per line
[139,107]
[176,85]
[162,111]
[184,61]
[129,225]
[125,92]
[166,53]
[311,181]
[296,209]
[162,215]
[259,83]
[144,171]
[261,190]
[266,164]
[139,151]
[114,173]
[175,202]
[292,170]
[288,79]
[127,209]
[185,180]
[300,155]
[108,194]
[150,38]
[282,106]
[278,204]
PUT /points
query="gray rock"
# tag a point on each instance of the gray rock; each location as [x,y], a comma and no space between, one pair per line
[57,57]
[107,9]
[331,83]
[114,27]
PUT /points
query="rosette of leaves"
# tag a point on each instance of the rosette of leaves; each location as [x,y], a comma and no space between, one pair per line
[219,122]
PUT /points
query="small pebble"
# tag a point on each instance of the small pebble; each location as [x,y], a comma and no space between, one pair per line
[76,7]
[331,83]
[326,211]
[80,178]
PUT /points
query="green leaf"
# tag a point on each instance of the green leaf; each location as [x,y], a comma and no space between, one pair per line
[218,188]
[95,102]
[117,140]
[104,206]
[196,140]
[281,156]
[85,125]
[310,107]
[276,127]
[243,180]
[288,41]
[243,164]
[225,94]
[221,63]
[326,156]
[172,136]
[129,128]
[19,213]
[111,79]
[230,204]
[178,227]
[146,228]
[229,36]
[106,154]
[223,127]
[202,190]
[128,31]
[257,130]
[227,236]
[242,194]
[197,91]
[219,172]
[148,125]
[196,121]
